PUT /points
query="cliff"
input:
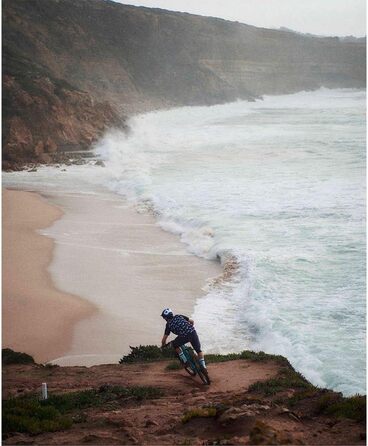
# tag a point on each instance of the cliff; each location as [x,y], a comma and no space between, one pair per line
[254,398]
[73,68]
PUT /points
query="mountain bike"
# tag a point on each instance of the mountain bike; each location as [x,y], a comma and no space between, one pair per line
[192,365]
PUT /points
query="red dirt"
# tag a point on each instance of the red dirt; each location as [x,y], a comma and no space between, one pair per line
[159,421]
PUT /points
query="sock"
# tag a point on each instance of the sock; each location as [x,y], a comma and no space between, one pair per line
[182,357]
[202,363]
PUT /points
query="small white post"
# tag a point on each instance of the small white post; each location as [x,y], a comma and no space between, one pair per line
[44,391]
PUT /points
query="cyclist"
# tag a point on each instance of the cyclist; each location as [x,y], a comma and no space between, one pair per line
[183,327]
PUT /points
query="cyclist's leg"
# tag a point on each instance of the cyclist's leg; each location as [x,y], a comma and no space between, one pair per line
[177,343]
[194,340]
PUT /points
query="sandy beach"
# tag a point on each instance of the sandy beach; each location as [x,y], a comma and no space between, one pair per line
[37,317]
[116,268]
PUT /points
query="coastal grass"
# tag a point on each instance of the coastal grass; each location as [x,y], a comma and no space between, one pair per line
[152,353]
[175,365]
[28,414]
[147,353]
[335,405]
[287,378]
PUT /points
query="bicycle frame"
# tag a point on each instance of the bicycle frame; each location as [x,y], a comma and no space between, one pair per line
[190,361]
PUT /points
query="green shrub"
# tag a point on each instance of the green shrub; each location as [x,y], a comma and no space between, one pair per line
[150,353]
[175,365]
[147,353]
[337,406]
[9,356]
[28,414]
[286,379]
[31,416]
[90,398]
[247,354]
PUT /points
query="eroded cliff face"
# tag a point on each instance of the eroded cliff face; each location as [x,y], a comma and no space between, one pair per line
[74,68]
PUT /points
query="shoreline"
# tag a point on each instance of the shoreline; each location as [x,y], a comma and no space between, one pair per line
[38,318]
[118,262]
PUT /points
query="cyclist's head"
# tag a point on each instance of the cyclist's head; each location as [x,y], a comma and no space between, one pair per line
[167,314]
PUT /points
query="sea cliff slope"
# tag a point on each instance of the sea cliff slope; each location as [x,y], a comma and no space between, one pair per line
[71,69]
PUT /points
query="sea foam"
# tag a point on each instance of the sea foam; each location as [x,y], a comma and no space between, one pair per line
[275,188]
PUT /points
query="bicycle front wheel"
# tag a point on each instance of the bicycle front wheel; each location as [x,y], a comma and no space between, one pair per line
[189,370]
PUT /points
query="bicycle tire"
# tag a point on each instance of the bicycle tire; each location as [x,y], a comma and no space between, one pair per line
[202,373]
[189,370]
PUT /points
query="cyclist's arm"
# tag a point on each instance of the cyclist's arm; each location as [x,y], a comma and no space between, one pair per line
[163,342]
[188,319]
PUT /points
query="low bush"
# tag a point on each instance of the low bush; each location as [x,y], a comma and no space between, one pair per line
[9,356]
[150,353]
[175,365]
[147,353]
[247,354]
[28,414]
[335,405]
[287,378]
[31,416]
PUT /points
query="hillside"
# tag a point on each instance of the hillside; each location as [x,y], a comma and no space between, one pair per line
[72,69]
[253,399]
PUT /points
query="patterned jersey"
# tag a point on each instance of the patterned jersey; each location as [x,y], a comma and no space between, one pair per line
[179,325]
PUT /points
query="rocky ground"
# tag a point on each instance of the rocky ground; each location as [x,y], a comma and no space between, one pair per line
[250,401]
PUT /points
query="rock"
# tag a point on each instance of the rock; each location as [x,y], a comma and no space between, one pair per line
[99,163]
[39,148]
[50,146]
[151,423]
[45,158]
[235,413]
[262,433]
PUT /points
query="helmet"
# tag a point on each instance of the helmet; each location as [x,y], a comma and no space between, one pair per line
[167,314]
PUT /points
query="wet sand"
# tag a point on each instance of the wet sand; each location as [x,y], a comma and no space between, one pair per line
[118,261]
[37,318]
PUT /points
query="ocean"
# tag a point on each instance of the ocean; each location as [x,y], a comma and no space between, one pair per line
[275,190]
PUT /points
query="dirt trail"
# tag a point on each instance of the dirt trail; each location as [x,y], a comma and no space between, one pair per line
[232,376]
[242,416]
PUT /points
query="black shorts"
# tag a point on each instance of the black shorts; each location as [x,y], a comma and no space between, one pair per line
[191,337]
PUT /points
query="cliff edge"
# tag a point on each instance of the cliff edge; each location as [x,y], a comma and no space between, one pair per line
[254,398]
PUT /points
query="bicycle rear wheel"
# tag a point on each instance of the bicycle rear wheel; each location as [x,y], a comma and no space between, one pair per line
[189,370]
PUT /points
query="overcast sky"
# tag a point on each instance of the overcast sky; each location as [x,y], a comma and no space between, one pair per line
[324,17]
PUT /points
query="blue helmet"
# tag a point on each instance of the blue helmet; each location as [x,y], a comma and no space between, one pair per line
[167,314]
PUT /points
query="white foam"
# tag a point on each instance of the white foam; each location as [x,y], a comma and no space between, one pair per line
[280,184]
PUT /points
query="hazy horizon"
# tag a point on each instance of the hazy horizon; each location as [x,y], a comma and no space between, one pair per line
[329,18]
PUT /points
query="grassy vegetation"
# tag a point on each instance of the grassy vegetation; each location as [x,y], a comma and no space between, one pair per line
[31,416]
[9,356]
[28,414]
[324,402]
[287,378]
[247,354]
[147,353]
[335,405]
[200,412]
[150,353]
[175,365]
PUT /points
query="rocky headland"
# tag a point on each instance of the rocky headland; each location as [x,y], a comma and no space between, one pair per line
[254,398]
[72,69]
